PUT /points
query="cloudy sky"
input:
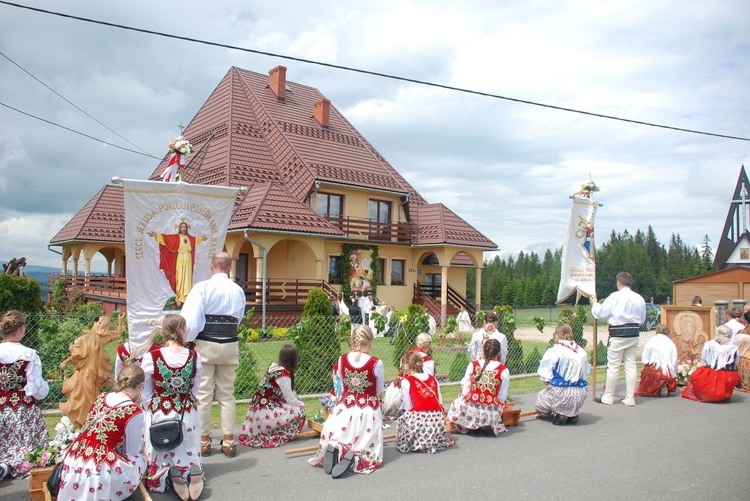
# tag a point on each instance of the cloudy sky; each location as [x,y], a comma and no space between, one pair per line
[505,167]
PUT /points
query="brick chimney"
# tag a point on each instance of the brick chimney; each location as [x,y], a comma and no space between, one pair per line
[277,81]
[322,112]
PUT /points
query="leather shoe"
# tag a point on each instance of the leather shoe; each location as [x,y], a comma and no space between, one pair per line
[178,486]
[346,462]
[206,448]
[664,391]
[195,482]
[603,400]
[630,402]
[229,450]
[572,420]
[330,458]
[558,419]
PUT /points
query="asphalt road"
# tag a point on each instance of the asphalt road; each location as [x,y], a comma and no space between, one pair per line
[666,449]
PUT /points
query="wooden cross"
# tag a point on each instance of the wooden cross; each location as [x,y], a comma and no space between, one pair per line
[181,127]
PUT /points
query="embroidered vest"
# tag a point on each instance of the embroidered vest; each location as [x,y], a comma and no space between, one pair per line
[485,390]
[423,394]
[12,383]
[171,383]
[359,384]
[268,393]
[103,432]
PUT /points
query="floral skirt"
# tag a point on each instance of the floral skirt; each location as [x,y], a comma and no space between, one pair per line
[267,426]
[356,429]
[743,367]
[422,431]
[83,479]
[473,416]
[183,457]
[563,400]
[711,385]
[21,430]
[651,381]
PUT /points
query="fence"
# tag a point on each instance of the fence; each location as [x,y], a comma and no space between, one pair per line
[321,340]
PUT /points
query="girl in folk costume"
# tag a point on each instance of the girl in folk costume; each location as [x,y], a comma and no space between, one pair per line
[659,373]
[22,427]
[352,436]
[484,389]
[173,375]
[125,354]
[715,380]
[742,340]
[105,461]
[393,403]
[422,426]
[488,332]
[564,369]
[276,415]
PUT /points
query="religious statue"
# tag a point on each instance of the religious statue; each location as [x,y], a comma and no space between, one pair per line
[177,259]
[92,368]
[15,267]
[689,335]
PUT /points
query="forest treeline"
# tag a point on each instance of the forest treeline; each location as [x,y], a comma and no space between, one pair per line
[528,280]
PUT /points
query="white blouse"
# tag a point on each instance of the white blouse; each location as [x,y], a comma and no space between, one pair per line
[661,352]
[36,385]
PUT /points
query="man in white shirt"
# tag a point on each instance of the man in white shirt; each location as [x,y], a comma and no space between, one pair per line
[625,311]
[365,305]
[213,309]
[731,320]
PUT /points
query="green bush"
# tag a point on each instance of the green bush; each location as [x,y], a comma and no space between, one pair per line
[531,364]
[451,325]
[247,380]
[576,319]
[601,355]
[316,339]
[458,366]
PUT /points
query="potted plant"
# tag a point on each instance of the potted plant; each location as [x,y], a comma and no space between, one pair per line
[40,462]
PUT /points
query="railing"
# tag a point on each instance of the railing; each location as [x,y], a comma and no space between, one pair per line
[431,306]
[384,231]
[455,299]
[278,291]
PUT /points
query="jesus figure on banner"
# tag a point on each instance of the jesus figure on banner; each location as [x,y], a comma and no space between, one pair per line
[177,259]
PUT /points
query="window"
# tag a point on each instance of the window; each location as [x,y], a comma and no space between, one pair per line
[381,271]
[379,213]
[397,271]
[334,269]
[329,205]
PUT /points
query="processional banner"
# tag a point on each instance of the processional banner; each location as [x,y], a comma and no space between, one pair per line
[172,230]
[578,273]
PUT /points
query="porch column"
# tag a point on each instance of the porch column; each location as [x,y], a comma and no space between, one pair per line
[64,267]
[75,270]
[319,269]
[109,268]
[443,294]
[87,272]
[233,271]
[257,289]
[478,289]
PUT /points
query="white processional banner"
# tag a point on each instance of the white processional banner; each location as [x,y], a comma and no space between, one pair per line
[172,230]
[578,273]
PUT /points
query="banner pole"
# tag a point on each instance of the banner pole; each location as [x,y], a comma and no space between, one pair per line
[596,360]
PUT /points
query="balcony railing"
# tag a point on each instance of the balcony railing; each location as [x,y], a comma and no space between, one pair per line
[366,229]
[278,291]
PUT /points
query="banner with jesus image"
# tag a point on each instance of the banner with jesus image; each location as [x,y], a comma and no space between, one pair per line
[172,230]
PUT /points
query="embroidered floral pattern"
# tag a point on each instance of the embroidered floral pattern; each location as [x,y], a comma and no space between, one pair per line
[171,384]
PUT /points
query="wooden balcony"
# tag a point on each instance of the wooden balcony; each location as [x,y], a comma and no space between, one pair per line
[279,292]
[365,229]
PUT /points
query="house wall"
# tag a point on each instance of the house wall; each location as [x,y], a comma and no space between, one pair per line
[709,292]
[356,202]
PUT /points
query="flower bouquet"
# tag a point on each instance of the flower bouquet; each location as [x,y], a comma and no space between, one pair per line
[684,369]
[178,148]
[327,404]
[50,454]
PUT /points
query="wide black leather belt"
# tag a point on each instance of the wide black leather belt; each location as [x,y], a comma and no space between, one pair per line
[625,330]
[219,329]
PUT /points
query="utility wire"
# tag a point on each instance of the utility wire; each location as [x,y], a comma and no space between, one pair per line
[72,103]
[78,132]
[373,73]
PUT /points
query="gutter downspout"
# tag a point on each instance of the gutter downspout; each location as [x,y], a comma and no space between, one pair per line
[265,280]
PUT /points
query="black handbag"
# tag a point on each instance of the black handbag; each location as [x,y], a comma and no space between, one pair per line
[167,435]
[53,481]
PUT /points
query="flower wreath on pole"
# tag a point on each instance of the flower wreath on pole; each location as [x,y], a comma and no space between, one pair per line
[178,148]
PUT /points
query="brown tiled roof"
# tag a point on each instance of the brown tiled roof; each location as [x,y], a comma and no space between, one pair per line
[102,219]
[437,224]
[243,135]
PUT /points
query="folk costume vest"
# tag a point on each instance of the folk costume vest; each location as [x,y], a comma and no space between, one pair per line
[359,384]
[484,391]
[423,394]
[171,384]
[268,393]
[12,383]
[103,432]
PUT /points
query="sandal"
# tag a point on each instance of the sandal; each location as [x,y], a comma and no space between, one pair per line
[195,486]
[178,486]
[346,462]
[229,450]
[206,448]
